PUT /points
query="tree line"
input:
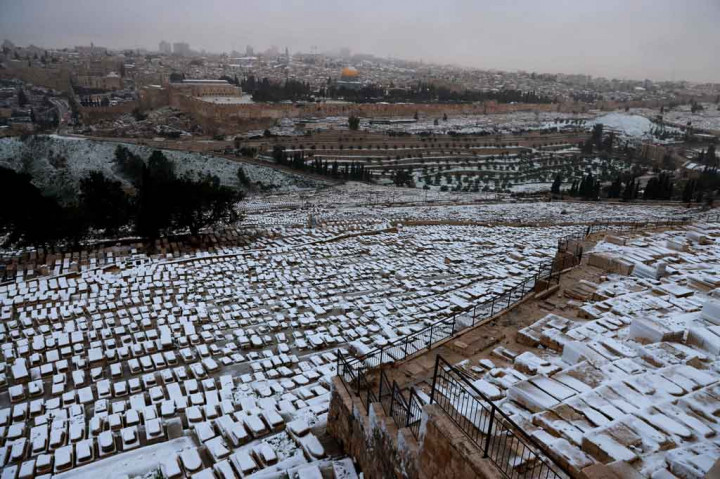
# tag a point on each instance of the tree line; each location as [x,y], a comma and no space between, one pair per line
[265,90]
[708,157]
[160,202]
[663,186]
[428,93]
[354,171]
[598,141]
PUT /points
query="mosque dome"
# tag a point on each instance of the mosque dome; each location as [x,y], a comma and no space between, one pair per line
[349,72]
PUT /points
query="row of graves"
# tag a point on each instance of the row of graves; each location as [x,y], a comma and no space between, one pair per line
[220,365]
[317,217]
[330,210]
[253,234]
[541,212]
[625,381]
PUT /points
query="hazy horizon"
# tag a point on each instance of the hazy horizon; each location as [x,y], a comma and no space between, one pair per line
[633,39]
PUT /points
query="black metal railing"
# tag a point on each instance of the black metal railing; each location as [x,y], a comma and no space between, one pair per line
[398,406]
[405,413]
[355,380]
[385,394]
[514,452]
[414,414]
[364,386]
[354,371]
[345,371]
[404,346]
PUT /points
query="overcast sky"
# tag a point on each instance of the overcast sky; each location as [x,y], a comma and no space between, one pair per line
[657,39]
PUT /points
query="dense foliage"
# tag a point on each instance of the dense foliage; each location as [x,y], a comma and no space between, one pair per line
[159,202]
[296,159]
[294,90]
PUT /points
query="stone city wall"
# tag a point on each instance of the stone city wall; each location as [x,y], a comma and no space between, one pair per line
[177,91]
[99,82]
[153,97]
[239,112]
[224,115]
[57,79]
[96,113]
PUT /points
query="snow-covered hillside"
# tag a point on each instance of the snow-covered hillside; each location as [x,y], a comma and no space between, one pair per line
[57,164]
[630,125]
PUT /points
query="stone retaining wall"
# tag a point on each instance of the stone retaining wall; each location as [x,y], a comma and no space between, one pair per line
[383,451]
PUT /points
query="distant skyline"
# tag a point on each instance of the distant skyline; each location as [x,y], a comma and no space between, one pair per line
[632,39]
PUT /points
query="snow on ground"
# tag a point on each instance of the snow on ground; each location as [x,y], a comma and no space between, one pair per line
[628,369]
[531,187]
[240,345]
[134,463]
[708,118]
[243,99]
[630,125]
[462,124]
[344,204]
[636,123]
[58,163]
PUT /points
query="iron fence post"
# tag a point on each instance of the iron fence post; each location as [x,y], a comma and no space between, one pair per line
[392,398]
[407,416]
[489,432]
[432,391]
[382,375]
[492,306]
[432,327]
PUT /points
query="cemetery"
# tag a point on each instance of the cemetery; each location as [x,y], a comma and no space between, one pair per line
[612,373]
[219,361]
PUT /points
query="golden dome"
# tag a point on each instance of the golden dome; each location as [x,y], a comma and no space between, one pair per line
[349,72]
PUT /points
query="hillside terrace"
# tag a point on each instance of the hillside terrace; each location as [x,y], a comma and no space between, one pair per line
[471,163]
